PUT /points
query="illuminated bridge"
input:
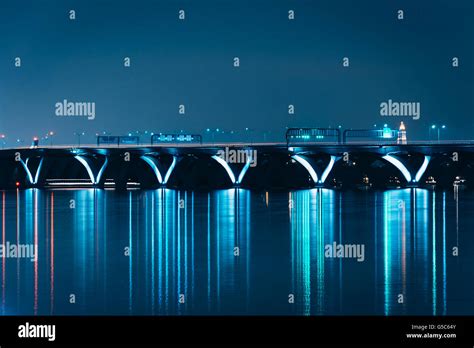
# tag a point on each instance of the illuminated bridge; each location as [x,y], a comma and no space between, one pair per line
[275,166]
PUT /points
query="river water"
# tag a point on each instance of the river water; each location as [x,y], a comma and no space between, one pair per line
[237,252]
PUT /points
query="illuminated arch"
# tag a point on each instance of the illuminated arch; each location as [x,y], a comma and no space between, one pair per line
[149,160]
[422,169]
[244,171]
[170,170]
[94,180]
[400,166]
[226,167]
[328,169]
[154,167]
[28,172]
[307,165]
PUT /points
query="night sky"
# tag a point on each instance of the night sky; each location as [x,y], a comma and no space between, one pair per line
[190,62]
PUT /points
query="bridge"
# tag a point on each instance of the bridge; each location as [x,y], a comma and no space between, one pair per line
[274,165]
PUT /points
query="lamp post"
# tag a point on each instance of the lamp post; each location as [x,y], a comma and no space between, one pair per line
[248,135]
[50,135]
[438,129]
[433,126]
[442,127]
[78,134]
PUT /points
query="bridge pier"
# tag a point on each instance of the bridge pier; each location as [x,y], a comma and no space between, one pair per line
[32,178]
[94,170]
[233,169]
[318,175]
[158,168]
[412,180]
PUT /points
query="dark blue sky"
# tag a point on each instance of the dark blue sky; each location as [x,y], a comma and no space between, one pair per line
[190,62]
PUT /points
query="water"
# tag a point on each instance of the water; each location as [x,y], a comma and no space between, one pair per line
[236,252]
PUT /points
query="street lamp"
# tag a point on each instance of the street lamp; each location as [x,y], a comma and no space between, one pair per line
[51,134]
[434,126]
[3,136]
[442,127]
[78,134]
[251,134]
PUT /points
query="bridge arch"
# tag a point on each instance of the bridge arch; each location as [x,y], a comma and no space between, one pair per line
[408,175]
[235,179]
[155,166]
[33,179]
[312,170]
[95,172]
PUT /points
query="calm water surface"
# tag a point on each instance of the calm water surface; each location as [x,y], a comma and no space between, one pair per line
[236,252]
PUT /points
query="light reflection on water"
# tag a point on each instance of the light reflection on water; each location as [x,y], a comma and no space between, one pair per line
[238,252]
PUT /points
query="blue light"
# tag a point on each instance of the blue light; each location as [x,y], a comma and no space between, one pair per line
[226,167]
[102,169]
[401,167]
[328,169]
[25,165]
[154,167]
[244,170]
[308,167]
[170,170]
[387,132]
[94,180]
[38,171]
[422,169]
[88,168]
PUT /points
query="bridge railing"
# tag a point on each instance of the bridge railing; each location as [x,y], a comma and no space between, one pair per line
[379,136]
[176,139]
[117,140]
[310,135]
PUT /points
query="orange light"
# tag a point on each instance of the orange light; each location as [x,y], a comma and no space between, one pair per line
[17,184]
